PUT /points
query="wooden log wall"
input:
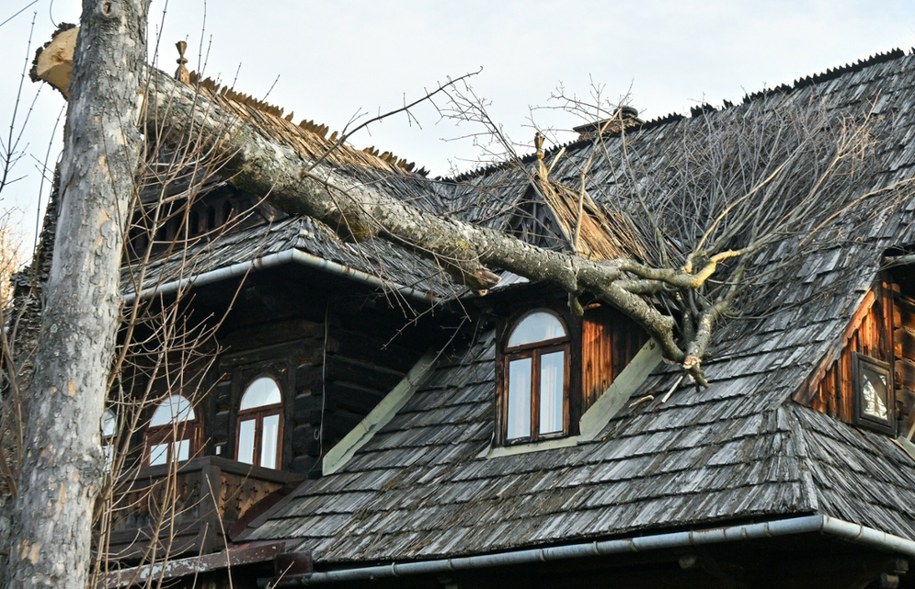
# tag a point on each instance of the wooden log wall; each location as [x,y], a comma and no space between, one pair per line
[904,369]
[332,368]
[363,365]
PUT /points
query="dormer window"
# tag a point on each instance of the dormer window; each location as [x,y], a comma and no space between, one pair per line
[172,432]
[554,365]
[259,424]
[536,378]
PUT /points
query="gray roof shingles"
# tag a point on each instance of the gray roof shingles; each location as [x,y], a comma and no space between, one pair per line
[394,264]
[739,450]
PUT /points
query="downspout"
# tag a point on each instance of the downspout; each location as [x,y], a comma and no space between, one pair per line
[278,259]
[784,527]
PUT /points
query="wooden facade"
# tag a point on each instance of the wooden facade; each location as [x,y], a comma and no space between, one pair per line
[609,341]
[333,355]
[904,359]
[883,328]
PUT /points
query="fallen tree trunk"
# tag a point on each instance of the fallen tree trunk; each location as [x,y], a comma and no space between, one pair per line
[300,184]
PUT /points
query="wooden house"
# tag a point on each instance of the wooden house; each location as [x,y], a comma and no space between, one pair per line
[490,441]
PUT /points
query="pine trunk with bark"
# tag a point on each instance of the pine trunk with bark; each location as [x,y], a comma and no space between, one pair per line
[62,466]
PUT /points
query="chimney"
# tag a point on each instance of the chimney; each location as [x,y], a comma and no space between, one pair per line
[625,117]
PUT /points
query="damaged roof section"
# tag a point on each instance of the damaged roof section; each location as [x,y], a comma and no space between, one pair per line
[422,487]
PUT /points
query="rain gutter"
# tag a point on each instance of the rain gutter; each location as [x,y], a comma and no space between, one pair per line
[277,259]
[823,524]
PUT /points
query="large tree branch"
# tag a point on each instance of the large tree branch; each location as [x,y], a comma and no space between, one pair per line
[297,182]
[291,182]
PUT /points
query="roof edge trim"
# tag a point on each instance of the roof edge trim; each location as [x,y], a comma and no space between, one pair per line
[278,259]
[781,527]
[254,552]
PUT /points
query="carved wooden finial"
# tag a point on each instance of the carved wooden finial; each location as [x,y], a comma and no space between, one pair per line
[538,144]
[181,74]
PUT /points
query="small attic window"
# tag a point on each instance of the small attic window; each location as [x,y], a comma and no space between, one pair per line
[553,365]
[535,388]
[874,399]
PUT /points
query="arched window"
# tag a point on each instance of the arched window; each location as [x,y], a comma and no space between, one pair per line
[172,431]
[260,423]
[109,429]
[535,399]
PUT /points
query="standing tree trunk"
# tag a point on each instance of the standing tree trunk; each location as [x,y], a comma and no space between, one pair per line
[62,467]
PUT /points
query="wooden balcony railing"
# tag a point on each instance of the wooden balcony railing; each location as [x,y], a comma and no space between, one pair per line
[189,508]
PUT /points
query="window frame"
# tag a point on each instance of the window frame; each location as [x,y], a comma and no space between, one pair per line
[258,413]
[535,351]
[171,433]
[860,364]
[108,439]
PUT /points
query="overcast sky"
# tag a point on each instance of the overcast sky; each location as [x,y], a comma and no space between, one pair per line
[330,61]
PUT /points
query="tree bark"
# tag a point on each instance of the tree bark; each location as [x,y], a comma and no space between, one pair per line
[62,466]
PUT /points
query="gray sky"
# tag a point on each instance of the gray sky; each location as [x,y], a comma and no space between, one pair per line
[329,61]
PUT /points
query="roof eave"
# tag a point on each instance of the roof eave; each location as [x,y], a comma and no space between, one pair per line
[291,255]
[823,524]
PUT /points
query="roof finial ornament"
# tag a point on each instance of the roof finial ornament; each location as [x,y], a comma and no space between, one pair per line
[181,74]
[538,144]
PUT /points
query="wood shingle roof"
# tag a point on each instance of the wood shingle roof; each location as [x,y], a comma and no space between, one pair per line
[740,450]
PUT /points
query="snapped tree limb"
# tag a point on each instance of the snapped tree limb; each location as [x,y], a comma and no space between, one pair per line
[736,214]
[292,182]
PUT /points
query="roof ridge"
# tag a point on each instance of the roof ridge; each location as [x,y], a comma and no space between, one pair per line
[700,110]
[829,74]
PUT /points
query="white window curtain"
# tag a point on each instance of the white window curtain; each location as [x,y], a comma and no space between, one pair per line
[552,373]
[519,399]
